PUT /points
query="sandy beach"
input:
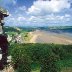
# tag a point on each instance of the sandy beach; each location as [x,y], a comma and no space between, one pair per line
[49,37]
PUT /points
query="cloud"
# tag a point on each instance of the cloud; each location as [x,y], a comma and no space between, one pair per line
[20,10]
[37,20]
[23,8]
[21,18]
[40,13]
[50,18]
[15,21]
[17,17]
[40,7]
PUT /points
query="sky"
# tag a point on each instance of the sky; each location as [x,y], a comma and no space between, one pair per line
[38,12]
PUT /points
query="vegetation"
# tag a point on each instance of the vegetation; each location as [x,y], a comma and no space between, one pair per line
[15,32]
[20,30]
[40,57]
[10,29]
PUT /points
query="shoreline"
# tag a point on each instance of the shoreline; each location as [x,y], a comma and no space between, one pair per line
[49,37]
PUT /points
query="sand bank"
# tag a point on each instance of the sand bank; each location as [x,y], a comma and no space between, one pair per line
[49,37]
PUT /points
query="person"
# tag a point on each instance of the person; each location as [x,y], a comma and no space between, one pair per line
[3,38]
[4,48]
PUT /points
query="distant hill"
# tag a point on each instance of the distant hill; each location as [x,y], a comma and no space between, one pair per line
[11,29]
[28,29]
[57,29]
[60,27]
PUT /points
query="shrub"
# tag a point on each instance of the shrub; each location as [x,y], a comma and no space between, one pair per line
[60,51]
[20,59]
[49,56]
[49,63]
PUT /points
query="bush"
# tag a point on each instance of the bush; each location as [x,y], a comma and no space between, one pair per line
[60,51]
[20,59]
[49,56]
[49,64]
[48,60]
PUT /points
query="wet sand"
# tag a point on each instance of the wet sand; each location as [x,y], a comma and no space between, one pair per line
[49,37]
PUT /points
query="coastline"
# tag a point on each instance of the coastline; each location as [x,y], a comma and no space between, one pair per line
[49,37]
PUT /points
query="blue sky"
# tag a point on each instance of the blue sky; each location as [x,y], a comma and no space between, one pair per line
[38,12]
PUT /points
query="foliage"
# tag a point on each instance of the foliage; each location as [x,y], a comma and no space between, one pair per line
[20,59]
[49,57]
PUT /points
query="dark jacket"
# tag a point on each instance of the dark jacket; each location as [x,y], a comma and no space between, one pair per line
[3,40]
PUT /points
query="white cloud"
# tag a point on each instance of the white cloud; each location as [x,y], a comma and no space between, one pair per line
[41,12]
[18,17]
[31,18]
[21,18]
[20,10]
[51,18]
[37,20]
[40,6]
[67,15]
